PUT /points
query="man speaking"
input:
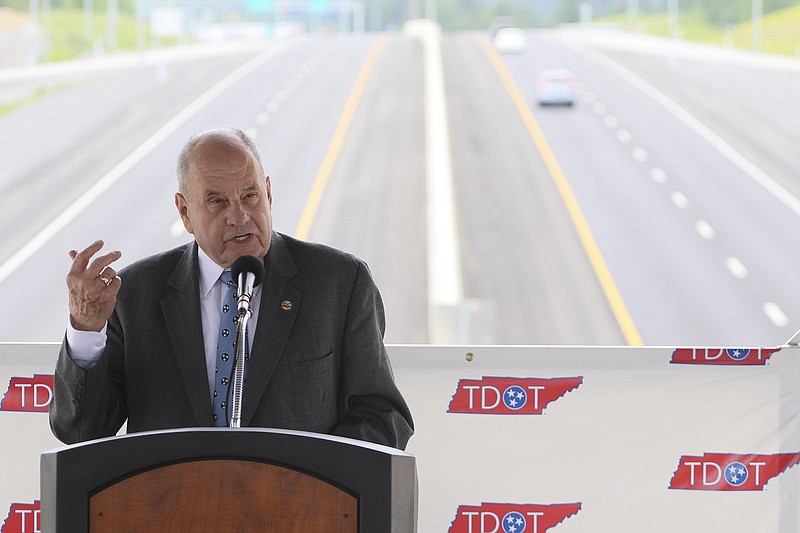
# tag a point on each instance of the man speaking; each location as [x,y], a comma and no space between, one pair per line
[151,345]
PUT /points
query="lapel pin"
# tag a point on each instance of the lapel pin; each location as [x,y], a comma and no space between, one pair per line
[286,305]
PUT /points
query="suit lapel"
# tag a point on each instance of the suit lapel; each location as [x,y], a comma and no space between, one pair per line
[278,308]
[181,308]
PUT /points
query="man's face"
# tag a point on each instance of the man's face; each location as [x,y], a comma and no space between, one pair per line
[227,204]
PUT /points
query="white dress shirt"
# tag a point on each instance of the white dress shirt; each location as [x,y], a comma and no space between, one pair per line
[86,347]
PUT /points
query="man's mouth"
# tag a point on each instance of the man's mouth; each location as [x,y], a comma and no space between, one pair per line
[242,238]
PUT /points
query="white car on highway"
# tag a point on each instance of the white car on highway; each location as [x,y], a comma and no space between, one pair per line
[555,87]
[510,40]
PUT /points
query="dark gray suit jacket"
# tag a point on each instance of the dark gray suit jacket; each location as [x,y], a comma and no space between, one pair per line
[317,364]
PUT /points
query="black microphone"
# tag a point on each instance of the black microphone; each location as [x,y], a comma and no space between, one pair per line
[248,271]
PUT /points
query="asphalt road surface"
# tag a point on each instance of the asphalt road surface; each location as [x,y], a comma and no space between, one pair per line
[659,209]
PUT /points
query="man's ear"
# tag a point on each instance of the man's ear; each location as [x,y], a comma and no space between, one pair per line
[183,210]
[269,191]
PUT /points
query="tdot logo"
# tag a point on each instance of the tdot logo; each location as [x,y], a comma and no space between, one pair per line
[509,395]
[23,518]
[730,472]
[511,517]
[722,356]
[28,394]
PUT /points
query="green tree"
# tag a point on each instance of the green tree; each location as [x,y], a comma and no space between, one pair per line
[722,12]
[567,11]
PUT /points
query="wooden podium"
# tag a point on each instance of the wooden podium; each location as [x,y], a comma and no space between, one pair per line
[223,479]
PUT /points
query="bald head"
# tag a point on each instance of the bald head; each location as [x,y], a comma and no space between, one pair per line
[232,136]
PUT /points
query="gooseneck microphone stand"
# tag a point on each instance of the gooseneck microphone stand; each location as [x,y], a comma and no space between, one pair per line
[248,271]
[237,385]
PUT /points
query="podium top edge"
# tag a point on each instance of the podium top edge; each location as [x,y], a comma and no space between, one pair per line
[233,433]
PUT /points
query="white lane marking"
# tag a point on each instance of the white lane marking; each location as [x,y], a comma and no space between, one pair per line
[639,154]
[611,121]
[704,229]
[624,136]
[658,175]
[283,94]
[589,97]
[104,183]
[736,267]
[679,199]
[744,164]
[775,314]
[599,108]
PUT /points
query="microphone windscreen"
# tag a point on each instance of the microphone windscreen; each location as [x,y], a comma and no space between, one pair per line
[248,263]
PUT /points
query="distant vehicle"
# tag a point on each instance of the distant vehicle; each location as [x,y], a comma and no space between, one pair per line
[500,22]
[509,40]
[555,87]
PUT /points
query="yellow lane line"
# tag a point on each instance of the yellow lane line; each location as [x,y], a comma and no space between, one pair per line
[601,270]
[324,173]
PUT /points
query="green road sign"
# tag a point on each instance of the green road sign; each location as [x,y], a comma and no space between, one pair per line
[318,6]
[259,6]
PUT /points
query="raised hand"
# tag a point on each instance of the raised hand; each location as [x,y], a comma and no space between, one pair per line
[93,287]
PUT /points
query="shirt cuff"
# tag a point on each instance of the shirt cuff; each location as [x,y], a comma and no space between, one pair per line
[85,347]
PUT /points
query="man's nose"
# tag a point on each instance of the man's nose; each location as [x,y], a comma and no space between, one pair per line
[237,216]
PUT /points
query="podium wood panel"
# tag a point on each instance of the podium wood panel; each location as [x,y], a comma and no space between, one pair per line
[228,479]
[223,495]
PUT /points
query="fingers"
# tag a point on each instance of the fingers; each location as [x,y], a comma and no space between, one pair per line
[93,286]
[109,286]
[107,273]
[109,277]
[80,260]
[100,265]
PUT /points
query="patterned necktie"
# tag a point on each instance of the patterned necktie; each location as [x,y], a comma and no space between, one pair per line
[225,351]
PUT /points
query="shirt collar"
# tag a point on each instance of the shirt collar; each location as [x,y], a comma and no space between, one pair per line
[209,272]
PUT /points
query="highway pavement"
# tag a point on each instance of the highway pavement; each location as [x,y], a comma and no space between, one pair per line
[659,209]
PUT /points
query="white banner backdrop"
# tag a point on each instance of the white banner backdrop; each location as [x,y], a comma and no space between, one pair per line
[612,444]
[25,430]
[545,438]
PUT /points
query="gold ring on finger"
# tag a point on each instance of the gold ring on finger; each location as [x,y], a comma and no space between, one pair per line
[106,281]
